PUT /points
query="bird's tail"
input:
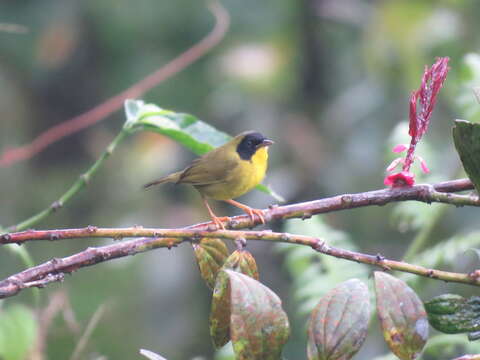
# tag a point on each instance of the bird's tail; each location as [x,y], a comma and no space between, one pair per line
[169,178]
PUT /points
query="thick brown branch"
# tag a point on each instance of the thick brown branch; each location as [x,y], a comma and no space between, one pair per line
[54,269]
[423,193]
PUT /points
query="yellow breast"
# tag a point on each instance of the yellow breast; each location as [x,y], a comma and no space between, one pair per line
[243,178]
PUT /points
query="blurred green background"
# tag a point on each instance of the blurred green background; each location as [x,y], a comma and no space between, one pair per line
[327,80]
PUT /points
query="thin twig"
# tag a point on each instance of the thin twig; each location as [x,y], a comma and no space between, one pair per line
[105,109]
[161,238]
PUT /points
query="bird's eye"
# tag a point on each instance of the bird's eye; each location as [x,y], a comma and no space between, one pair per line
[249,143]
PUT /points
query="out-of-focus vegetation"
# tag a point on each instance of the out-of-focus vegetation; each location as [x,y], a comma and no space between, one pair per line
[328,80]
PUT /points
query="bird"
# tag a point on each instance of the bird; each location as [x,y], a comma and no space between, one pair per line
[226,172]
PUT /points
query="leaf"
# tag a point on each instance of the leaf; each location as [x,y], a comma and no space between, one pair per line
[210,253]
[258,325]
[243,262]
[339,323]
[466,136]
[453,314]
[190,132]
[402,316]
[151,355]
[18,332]
[220,312]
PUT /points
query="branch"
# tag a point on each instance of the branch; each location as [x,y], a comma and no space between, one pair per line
[103,110]
[54,269]
[424,193]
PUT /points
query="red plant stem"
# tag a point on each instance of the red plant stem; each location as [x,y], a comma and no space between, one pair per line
[409,158]
[103,110]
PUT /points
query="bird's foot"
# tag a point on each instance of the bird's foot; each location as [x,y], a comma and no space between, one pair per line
[218,221]
[252,212]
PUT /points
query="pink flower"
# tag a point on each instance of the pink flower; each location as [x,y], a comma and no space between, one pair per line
[403,178]
[400,148]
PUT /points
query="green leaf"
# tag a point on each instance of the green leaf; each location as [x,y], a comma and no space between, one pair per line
[243,262]
[18,332]
[258,325]
[210,253]
[402,316]
[466,136]
[190,132]
[453,314]
[339,323]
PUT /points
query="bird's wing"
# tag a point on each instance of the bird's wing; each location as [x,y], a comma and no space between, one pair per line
[212,168]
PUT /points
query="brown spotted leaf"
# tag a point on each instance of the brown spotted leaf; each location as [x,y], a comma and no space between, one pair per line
[220,312]
[210,253]
[402,316]
[258,325]
[339,323]
[242,261]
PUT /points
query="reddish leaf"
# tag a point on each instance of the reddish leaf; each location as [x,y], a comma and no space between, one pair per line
[426,97]
[258,325]
[402,316]
[210,253]
[243,262]
[339,323]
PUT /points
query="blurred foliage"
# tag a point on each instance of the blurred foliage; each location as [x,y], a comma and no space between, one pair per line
[18,332]
[467,97]
[328,80]
[313,274]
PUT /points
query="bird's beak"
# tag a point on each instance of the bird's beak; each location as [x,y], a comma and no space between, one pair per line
[264,143]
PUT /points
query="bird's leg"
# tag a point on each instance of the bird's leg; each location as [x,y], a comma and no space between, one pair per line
[250,211]
[215,219]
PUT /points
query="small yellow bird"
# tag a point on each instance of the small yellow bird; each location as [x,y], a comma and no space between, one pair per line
[227,172]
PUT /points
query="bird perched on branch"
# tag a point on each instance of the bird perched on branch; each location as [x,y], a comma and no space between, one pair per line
[227,172]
